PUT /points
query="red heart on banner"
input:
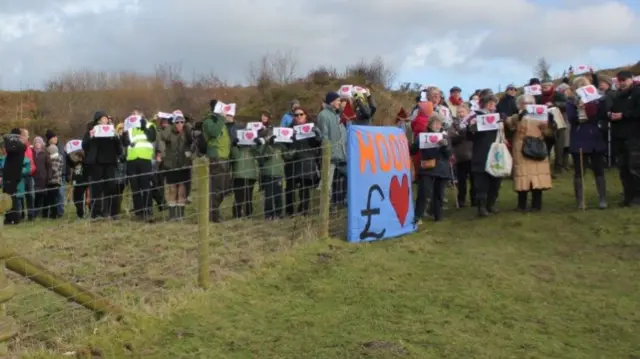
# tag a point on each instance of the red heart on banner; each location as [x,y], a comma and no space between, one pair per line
[539,110]
[226,108]
[490,119]
[399,197]
[75,143]
[306,128]
[285,132]
[248,135]
[105,128]
[590,90]
[433,139]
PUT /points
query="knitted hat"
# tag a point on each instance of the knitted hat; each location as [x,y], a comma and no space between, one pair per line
[38,140]
[98,115]
[534,81]
[331,96]
[52,149]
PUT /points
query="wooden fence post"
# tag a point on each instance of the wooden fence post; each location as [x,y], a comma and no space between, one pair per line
[8,326]
[325,193]
[201,169]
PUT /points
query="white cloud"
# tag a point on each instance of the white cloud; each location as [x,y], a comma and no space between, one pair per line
[42,37]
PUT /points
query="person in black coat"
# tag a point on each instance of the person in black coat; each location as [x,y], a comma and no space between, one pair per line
[101,158]
[624,115]
[303,156]
[487,186]
[434,172]
[12,173]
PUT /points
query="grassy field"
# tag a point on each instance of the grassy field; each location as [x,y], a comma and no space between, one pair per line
[557,284]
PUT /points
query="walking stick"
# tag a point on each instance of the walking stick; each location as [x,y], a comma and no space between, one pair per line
[582,180]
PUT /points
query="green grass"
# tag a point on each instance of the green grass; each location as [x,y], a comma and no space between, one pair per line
[557,284]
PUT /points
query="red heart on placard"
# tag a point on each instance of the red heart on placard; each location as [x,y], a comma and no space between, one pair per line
[248,135]
[257,125]
[285,132]
[433,139]
[306,129]
[399,197]
[490,119]
[539,110]
[133,119]
[226,108]
[75,143]
[590,90]
[535,88]
[345,89]
[105,128]
[582,68]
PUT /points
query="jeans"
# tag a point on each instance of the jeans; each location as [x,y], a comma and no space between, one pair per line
[272,197]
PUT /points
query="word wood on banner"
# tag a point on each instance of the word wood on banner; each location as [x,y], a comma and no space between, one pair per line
[588,93]
[73,146]
[488,122]
[379,183]
[538,112]
[429,139]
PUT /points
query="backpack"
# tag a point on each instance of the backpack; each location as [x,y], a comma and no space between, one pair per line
[13,144]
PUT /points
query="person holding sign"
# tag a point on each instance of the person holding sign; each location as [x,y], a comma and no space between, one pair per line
[483,136]
[174,152]
[625,130]
[531,171]
[552,98]
[364,106]
[463,151]
[102,148]
[218,145]
[272,170]
[303,153]
[434,172]
[245,170]
[139,142]
[587,147]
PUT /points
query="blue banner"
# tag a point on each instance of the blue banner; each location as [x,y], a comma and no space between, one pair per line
[379,183]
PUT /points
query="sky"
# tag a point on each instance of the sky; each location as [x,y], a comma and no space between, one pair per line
[468,43]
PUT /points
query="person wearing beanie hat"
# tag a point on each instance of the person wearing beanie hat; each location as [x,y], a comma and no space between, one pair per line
[534,81]
[328,121]
[51,137]
[487,186]
[287,118]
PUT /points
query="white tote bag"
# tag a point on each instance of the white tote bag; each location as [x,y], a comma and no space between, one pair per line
[499,161]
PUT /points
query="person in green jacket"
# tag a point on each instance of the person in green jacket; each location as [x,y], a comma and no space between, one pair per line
[218,151]
[175,154]
[272,173]
[245,175]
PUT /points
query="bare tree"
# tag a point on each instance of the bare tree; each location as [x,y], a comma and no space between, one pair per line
[375,72]
[277,67]
[542,68]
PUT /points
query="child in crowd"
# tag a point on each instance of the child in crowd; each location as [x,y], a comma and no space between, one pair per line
[434,171]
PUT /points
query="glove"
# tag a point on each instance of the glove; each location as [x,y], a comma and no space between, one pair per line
[259,141]
[272,140]
[444,142]
[143,124]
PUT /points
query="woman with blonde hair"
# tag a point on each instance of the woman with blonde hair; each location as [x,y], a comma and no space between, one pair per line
[587,147]
[531,171]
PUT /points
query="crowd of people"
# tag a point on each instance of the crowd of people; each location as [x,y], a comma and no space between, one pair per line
[154,157]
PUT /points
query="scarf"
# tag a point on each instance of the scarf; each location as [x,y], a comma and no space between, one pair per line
[456,101]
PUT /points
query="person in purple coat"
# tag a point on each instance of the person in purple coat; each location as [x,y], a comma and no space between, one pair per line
[586,139]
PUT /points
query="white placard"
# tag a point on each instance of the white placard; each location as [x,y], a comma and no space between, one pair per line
[538,112]
[429,139]
[488,122]
[102,131]
[247,137]
[581,69]
[283,134]
[73,146]
[255,126]
[304,131]
[164,115]
[588,93]
[423,96]
[474,105]
[176,114]
[345,91]
[362,90]
[533,90]
[133,121]
[225,109]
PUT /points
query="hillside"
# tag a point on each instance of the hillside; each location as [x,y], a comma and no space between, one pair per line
[69,101]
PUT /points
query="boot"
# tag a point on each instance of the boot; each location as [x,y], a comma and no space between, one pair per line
[482,208]
[491,205]
[522,202]
[172,213]
[601,186]
[536,200]
[180,213]
[565,160]
[577,190]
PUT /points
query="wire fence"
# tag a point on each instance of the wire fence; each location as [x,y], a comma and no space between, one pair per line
[130,242]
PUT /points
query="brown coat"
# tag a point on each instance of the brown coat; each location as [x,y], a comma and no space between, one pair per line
[528,174]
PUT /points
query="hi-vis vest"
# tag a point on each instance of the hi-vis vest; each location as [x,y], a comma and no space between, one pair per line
[140,147]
